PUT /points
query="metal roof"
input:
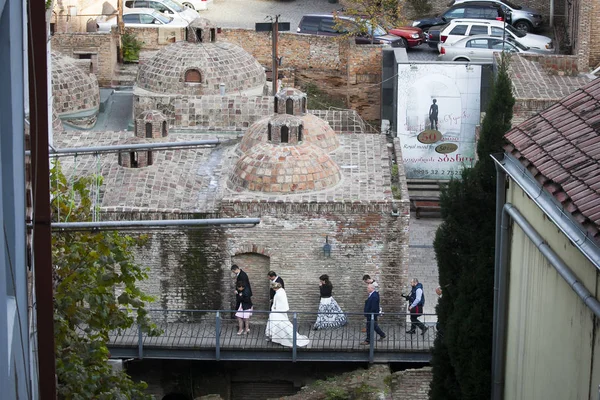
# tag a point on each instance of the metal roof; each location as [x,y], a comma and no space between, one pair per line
[560,146]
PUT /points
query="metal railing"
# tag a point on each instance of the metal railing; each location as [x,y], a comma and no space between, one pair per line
[216,331]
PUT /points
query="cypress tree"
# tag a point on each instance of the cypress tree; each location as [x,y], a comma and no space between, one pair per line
[464,247]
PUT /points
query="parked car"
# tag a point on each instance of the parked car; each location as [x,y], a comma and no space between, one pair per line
[523,18]
[169,7]
[481,49]
[142,18]
[473,10]
[459,28]
[326,25]
[411,36]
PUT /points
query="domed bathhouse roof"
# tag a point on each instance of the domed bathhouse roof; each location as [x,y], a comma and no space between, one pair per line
[200,68]
[282,169]
[76,95]
[314,131]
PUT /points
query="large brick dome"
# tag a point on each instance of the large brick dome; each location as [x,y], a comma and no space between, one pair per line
[283,169]
[199,68]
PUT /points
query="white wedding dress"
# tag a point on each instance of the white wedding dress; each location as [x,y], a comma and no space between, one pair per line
[279,328]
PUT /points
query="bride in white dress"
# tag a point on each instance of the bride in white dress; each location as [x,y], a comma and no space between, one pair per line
[279,328]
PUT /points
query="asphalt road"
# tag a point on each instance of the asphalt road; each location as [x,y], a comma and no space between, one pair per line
[245,13]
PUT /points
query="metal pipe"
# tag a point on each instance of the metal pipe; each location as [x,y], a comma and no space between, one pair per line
[295,337]
[125,147]
[149,224]
[372,339]
[499,327]
[218,336]
[140,343]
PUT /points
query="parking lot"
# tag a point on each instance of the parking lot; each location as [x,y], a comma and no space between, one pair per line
[245,13]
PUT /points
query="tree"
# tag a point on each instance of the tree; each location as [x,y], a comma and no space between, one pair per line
[464,247]
[369,16]
[89,268]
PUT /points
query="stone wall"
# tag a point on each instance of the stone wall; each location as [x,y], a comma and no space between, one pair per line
[339,66]
[101,48]
[155,38]
[583,30]
[411,384]
[206,112]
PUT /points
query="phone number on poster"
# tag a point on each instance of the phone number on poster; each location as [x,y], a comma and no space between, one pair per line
[442,172]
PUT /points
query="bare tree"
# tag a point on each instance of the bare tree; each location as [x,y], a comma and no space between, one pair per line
[368,15]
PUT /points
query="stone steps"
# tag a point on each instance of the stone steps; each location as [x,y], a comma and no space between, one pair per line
[125,75]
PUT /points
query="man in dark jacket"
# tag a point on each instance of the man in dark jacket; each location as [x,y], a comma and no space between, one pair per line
[243,277]
[274,278]
[372,308]
[416,301]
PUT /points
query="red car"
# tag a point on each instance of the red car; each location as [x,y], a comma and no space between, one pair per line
[411,36]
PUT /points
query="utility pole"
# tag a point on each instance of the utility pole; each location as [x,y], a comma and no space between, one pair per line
[274,27]
[42,239]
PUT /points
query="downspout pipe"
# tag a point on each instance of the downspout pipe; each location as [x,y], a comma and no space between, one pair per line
[499,327]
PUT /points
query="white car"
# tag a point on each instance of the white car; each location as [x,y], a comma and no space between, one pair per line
[481,49]
[168,7]
[142,18]
[459,28]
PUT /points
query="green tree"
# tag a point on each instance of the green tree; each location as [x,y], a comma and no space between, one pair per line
[368,15]
[464,247]
[90,268]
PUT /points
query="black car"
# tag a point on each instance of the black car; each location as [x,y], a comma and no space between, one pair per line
[476,10]
[326,25]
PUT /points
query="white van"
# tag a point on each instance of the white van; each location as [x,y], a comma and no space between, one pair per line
[168,7]
[459,28]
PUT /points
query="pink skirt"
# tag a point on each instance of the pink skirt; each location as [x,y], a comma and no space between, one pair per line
[244,314]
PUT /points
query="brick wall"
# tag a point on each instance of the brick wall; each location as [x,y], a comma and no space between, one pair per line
[154,39]
[191,268]
[340,67]
[206,112]
[411,384]
[101,46]
[554,64]
[583,32]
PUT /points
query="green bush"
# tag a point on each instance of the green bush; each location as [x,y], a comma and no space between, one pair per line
[131,47]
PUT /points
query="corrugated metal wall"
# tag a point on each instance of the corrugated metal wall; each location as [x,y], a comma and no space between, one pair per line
[551,340]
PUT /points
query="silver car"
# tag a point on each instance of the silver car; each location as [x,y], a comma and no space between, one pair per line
[523,18]
[481,49]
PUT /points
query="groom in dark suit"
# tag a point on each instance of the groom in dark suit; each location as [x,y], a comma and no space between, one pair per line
[372,307]
[274,279]
[241,276]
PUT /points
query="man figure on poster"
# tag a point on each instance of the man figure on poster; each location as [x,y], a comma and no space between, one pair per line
[433,115]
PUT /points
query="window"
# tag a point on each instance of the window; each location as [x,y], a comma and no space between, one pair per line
[285,134]
[150,160]
[148,130]
[213,34]
[300,133]
[310,24]
[455,13]
[460,30]
[148,19]
[499,32]
[478,30]
[131,18]
[193,76]
[133,160]
[275,105]
[269,136]
[164,128]
[199,35]
[289,106]
[304,104]
[328,26]
[478,43]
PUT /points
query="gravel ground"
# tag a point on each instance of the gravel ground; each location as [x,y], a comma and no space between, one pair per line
[245,13]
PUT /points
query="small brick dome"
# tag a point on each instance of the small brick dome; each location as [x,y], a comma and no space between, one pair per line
[290,101]
[135,158]
[314,131]
[75,91]
[199,68]
[284,169]
[151,124]
[201,30]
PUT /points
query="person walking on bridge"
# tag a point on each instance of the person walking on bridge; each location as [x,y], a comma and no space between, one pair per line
[372,309]
[416,301]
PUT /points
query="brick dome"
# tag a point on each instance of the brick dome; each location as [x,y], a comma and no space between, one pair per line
[315,131]
[199,68]
[290,101]
[284,169]
[75,91]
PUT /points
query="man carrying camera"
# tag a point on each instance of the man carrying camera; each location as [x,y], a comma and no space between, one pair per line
[416,301]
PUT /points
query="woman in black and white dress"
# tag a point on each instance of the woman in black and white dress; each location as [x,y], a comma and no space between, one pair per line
[330,314]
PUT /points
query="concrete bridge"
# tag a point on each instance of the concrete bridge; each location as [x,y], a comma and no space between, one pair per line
[212,335]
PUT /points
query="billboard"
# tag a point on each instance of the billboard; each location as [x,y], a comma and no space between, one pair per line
[438,109]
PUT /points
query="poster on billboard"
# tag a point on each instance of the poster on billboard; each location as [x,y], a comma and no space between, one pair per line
[438,110]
